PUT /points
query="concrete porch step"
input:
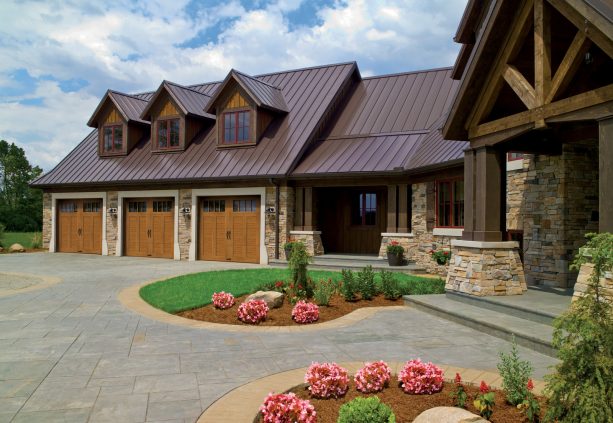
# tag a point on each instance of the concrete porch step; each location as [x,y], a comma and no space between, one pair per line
[530,334]
[343,263]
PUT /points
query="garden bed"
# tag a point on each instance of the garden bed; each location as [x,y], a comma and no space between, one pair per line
[407,407]
[282,316]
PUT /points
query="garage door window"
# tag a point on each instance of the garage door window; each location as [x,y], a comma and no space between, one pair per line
[91,206]
[244,205]
[137,206]
[68,207]
[162,206]
[211,206]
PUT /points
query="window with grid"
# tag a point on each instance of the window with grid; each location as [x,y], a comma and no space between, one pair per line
[91,206]
[113,138]
[162,206]
[364,209]
[68,207]
[137,206]
[211,206]
[244,205]
[450,203]
[168,133]
[236,127]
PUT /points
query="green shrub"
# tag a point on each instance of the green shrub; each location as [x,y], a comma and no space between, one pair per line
[515,374]
[37,240]
[366,283]
[366,410]
[389,285]
[348,287]
[1,234]
[323,291]
[298,263]
[423,287]
[581,388]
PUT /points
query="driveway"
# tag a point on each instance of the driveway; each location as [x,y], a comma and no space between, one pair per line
[71,353]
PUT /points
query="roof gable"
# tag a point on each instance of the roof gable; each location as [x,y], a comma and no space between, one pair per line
[264,95]
[128,106]
[189,101]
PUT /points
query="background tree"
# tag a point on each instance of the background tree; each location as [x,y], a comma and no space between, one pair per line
[21,207]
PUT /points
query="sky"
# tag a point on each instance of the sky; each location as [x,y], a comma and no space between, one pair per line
[58,57]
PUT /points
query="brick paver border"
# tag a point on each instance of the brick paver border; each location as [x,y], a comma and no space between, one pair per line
[241,404]
[45,282]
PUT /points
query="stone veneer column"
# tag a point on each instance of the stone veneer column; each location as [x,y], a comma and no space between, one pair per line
[485,268]
[286,219]
[185,223]
[112,224]
[582,284]
[47,219]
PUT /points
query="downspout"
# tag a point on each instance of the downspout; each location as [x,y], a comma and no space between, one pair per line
[277,202]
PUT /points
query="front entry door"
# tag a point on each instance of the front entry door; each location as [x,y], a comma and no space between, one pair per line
[230,229]
[150,227]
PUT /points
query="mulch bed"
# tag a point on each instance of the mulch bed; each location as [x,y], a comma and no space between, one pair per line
[282,316]
[407,407]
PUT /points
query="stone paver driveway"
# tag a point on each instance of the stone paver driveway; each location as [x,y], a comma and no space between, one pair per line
[72,353]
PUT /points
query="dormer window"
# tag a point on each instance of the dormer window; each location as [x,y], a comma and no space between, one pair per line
[236,127]
[168,133]
[113,138]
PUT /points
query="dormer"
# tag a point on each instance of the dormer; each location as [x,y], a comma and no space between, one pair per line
[244,107]
[119,124]
[177,115]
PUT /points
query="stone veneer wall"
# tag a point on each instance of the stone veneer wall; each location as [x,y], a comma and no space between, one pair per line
[112,222]
[286,219]
[561,198]
[185,223]
[516,181]
[47,218]
[581,286]
[312,241]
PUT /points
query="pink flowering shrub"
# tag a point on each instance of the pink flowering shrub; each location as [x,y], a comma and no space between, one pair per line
[327,380]
[304,312]
[421,378]
[253,311]
[373,377]
[287,408]
[223,300]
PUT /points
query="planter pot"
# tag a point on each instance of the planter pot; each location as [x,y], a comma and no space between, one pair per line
[394,259]
[441,261]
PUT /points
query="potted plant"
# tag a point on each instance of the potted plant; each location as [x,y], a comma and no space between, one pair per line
[395,253]
[441,257]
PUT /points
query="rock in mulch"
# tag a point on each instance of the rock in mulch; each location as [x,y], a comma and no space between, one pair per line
[448,415]
[273,299]
[16,248]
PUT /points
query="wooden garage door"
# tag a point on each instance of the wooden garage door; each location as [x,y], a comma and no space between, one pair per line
[150,227]
[80,226]
[230,229]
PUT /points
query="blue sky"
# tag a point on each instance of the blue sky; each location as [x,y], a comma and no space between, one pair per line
[57,58]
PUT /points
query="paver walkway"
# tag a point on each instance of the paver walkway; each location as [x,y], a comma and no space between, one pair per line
[72,353]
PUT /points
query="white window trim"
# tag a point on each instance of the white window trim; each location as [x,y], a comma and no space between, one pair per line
[448,231]
[76,196]
[217,192]
[121,195]
[515,165]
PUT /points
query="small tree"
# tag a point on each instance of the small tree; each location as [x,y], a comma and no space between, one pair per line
[298,263]
[582,386]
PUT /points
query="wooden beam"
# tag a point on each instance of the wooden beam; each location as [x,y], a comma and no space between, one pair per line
[598,112]
[605,187]
[391,208]
[542,51]
[308,209]
[299,214]
[502,136]
[511,48]
[566,105]
[569,65]
[604,40]
[403,217]
[520,85]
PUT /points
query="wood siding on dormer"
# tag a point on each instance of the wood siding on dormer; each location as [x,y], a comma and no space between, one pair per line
[112,117]
[167,109]
[236,101]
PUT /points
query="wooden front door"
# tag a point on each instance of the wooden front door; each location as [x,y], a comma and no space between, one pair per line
[230,229]
[80,226]
[150,227]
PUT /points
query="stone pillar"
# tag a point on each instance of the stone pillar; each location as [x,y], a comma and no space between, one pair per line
[391,208]
[605,187]
[606,283]
[112,224]
[485,268]
[185,223]
[47,220]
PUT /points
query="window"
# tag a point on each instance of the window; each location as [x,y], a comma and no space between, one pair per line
[113,138]
[450,203]
[91,206]
[236,128]
[211,206]
[168,133]
[364,209]
[68,207]
[514,156]
[137,206]
[244,205]
[160,206]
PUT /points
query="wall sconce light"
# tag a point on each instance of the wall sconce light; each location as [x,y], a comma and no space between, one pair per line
[186,211]
[113,211]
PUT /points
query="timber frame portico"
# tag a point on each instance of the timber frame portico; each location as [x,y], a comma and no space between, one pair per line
[537,78]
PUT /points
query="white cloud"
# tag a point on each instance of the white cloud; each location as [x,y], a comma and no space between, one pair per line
[133,45]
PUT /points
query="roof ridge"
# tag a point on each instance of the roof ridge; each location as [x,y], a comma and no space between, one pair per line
[186,88]
[126,95]
[353,62]
[255,79]
[445,68]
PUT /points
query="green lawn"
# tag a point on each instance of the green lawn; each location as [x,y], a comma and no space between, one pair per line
[195,290]
[23,238]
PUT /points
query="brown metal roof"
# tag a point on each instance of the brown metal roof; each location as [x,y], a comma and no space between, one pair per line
[129,106]
[309,94]
[190,101]
[390,124]
[264,94]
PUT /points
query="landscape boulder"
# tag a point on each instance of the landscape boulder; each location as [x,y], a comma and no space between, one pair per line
[448,415]
[273,299]
[16,248]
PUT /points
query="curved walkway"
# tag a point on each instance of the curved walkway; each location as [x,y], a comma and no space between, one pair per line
[72,352]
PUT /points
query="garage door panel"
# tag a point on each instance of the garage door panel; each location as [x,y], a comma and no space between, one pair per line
[80,226]
[150,228]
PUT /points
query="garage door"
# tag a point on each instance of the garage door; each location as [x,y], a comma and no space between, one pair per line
[230,229]
[80,226]
[150,227]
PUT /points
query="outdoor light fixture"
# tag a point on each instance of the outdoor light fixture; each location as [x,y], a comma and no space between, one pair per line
[113,210]
[186,211]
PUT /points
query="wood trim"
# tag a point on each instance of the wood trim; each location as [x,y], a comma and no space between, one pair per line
[520,86]
[542,51]
[403,200]
[391,208]
[605,195]
[299,213]
[569,65]
[308,209]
